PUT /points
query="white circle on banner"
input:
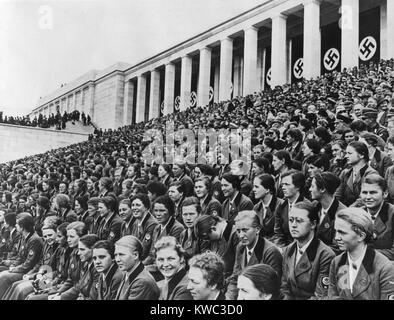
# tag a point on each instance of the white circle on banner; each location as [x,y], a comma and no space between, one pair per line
[367,49]
[331,59]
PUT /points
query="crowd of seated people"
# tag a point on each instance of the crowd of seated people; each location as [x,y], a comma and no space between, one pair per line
[57,120]
[301,208]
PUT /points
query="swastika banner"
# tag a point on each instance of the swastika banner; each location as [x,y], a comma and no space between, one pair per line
[369,50]
[331,48]
[297,62]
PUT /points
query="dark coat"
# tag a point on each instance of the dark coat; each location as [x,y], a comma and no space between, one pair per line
[73,271]
[325,230]
[192,245]
[177,287]
[348,192]
[381,161]
[268,223]
[86,285]
[241,203]
[384,231]
[110,229]
[309,278]
[145,233]
[30,251]
[374,281]
[282,236]
[108,287]
[211,206]
[173,228]
[265,252]
[139,285]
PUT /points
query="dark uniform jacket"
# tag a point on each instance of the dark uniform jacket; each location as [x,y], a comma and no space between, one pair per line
[309,278]
[226,248]
[191,244]
[109,229]
[173,228]
[11,244]
[46,259]
[240,203]
[86,284]
[265,252]
[211,206]
[108,286]
[95,224]
[282,236]
[73,271]
[325,230]
[177,287]
[188,183]
[61,258]
[125,228]
[384,231]
[139,285]
[145,232]
[348,191]
[30,251]
[381,161]
[268,223]
[374,281]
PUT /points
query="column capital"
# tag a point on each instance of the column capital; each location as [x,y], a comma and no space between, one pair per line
[251,28]
[227,39]
[169,64]
[206,49]
[307,2]
[279,16]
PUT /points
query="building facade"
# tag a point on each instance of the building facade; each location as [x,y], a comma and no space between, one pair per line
[277,42]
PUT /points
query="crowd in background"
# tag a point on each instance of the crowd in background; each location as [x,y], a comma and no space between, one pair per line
[42,121]
[311,216]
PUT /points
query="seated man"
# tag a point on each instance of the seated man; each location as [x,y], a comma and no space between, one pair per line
[252,249]
[137,283]
[306,262]
[110,275]
[10,241]
[29,253]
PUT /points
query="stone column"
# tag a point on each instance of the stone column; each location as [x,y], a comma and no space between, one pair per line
[75,102]
[216,84]
[350,33]
[204,77]
[141,92]
[226,65]
[312,39]
[278,60]
[128,102]
[250,61]
[263,77]
[186,82]
[91,101]
[169,87]
[154,99]
[390,29]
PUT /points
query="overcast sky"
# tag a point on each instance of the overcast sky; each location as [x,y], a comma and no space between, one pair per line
[46,43]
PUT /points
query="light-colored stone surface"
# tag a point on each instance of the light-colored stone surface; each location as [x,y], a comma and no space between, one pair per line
[17,142]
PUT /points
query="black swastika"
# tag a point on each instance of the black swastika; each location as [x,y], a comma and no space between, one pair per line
[299,67]
[331,60]
[367,49]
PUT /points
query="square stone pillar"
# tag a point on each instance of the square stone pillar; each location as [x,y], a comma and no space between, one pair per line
[91,101]
[279,60]
[141,93]
[169,87]
[186,82]
[226,66]
[350,33]
[250,61]
[312,39]
[204,77]
[128,102]
[154,99]
[390,29]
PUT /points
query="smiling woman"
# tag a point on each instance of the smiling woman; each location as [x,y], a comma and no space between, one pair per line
[170,261]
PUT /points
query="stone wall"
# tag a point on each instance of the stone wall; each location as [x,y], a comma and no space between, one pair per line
[17,142]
